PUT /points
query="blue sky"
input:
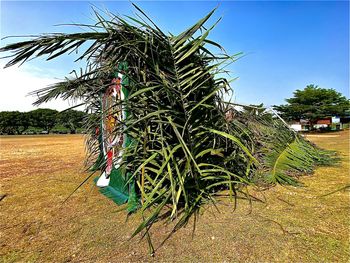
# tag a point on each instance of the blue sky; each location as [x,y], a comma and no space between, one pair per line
[288,44]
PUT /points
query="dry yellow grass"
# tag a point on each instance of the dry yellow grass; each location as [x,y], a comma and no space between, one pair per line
[38,173]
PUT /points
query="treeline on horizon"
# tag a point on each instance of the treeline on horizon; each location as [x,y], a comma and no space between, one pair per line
[41,121]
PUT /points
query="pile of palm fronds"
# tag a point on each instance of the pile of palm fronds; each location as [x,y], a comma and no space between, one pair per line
[282,154]
[184,149]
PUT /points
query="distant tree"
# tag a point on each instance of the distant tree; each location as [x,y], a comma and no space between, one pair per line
[71,119]
[44,119]
[313,103]
[23,122]
[13,122]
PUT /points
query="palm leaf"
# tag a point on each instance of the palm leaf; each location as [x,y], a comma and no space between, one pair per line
[183,150]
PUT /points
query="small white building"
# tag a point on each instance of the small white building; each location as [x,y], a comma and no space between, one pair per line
[301,125]
[330,123]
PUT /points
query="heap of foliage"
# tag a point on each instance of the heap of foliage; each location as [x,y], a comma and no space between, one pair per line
[313,103]
[282,154]
[15,122]
[184,150]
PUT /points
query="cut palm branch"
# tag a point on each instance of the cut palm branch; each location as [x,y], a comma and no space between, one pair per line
[182,148]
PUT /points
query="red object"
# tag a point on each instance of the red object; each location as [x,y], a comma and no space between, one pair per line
[109,162]
[97,131]
[115,86]
[324,121]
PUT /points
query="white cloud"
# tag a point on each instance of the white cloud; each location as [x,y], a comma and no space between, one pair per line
[17,82]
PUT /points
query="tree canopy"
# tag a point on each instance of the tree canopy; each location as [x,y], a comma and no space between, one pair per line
[313,103]
[15,122]
[71,119]
[45,118]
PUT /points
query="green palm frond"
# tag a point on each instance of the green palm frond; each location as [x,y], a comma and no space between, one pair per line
[295,157]
[283,154]
[183,150]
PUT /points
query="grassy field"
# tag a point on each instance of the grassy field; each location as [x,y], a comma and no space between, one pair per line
[39,172]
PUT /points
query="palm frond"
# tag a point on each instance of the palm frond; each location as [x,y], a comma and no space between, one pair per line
[183,149]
